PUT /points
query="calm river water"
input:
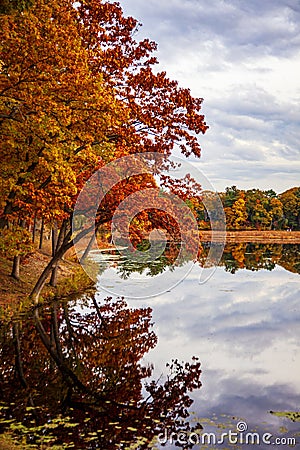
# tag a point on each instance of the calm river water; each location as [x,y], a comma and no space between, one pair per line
[74,369]
[244,324]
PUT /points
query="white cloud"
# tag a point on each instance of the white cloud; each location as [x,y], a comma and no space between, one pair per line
[244,59]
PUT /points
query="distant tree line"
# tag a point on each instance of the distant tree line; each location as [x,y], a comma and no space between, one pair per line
[255,209]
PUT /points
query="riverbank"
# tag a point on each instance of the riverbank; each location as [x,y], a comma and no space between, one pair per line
[266,237]
[71,279]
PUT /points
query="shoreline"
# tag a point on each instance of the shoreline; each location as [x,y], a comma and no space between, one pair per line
[254,236]
[72,277]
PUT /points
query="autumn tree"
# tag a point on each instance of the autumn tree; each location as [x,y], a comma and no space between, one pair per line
[236,215]
[77,92]
[291,207]
[46,98]
[276,211]
[255,209]
[230,196]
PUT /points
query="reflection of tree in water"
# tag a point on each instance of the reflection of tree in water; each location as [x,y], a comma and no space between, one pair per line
[169,259]
[249,256]
[255,257]
[148,268]
[76,376]
[291,260]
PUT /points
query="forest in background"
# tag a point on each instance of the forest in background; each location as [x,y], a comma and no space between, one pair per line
[255,209]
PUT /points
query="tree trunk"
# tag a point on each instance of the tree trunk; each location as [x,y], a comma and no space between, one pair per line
[44,276]
[15,273]
[42,234]
[54,238]
[56,244]
[3,223]
[56,332]
[34,230]
[53,278]
[67,243]
[7,211]
[69,376]
[19,362]
[88,248]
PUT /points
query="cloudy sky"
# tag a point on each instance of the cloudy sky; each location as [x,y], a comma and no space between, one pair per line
[243,58]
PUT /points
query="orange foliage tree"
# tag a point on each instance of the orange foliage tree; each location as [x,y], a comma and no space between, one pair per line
[77,91]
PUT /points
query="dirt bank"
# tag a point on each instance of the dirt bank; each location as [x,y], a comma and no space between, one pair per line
[71,279]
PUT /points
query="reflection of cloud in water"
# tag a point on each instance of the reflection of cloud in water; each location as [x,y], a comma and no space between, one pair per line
[245,329]
[247,400]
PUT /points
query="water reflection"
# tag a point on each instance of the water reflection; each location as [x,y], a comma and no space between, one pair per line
[244,325]
[72,375]
[247,256]
[260,256]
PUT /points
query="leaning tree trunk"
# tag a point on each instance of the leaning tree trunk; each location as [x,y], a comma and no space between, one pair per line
[67,243]
[53,278]
[35,294]
[89,246]
[56,244]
